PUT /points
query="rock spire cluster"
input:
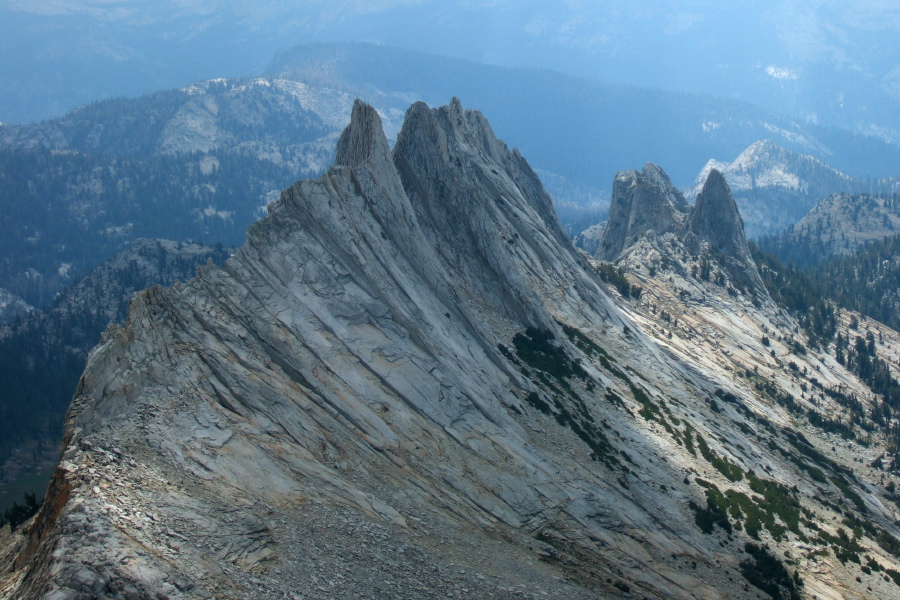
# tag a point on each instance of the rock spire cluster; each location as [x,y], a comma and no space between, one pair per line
[647,202]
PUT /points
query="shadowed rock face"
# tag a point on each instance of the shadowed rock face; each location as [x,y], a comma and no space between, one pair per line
[715,217]
[641,201]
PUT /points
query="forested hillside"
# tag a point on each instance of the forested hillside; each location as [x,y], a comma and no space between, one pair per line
[67,212]
[867,282]
[839,225]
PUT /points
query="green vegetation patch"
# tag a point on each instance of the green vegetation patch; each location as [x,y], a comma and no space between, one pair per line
[848,492]
[776,509]
[17,514]
[715,513]
[781,398]
[591,348]
[845,430]
[536,349]
[777,499]
[615,276]
[845,547]
[731,471]
[764,571]
[552,367]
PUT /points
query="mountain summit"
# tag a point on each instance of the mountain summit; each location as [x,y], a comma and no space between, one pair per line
[716,220]
[773,186]
[408,383]
[715,217]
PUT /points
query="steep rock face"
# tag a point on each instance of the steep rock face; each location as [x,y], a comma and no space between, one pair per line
[494,222]
[641,201]
[43,356]
[406,383]
[715,219]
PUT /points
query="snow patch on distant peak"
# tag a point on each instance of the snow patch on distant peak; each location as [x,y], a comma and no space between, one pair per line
[798,138]
[781,73]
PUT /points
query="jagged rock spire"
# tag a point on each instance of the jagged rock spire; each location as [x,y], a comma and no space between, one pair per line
[466,185]
[646,201]
[715,219]
[641,201]
[363,142]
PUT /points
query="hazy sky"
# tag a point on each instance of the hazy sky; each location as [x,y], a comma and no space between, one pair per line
[818,60]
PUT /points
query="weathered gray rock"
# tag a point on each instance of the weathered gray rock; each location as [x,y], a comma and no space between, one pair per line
[715,218]
[716,221]
[647,203]
[407,353]
[641,201]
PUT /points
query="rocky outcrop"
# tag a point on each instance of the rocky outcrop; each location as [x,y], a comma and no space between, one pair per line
[715,217]
[641,201]
[716,221]
[773,186]
[43,356]
[647,203]
[406,383]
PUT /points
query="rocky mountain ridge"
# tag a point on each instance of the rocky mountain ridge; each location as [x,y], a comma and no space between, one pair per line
[216,152]
[840,72]
[409,354]
[828,402]
[646,202]
[839,225]
[278,120]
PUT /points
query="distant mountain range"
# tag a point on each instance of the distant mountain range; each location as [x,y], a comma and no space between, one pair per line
[828,63]
[198,163]
[775,187]
[203,161]
[581,129]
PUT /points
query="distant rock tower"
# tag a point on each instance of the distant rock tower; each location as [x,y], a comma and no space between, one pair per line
[641,201]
